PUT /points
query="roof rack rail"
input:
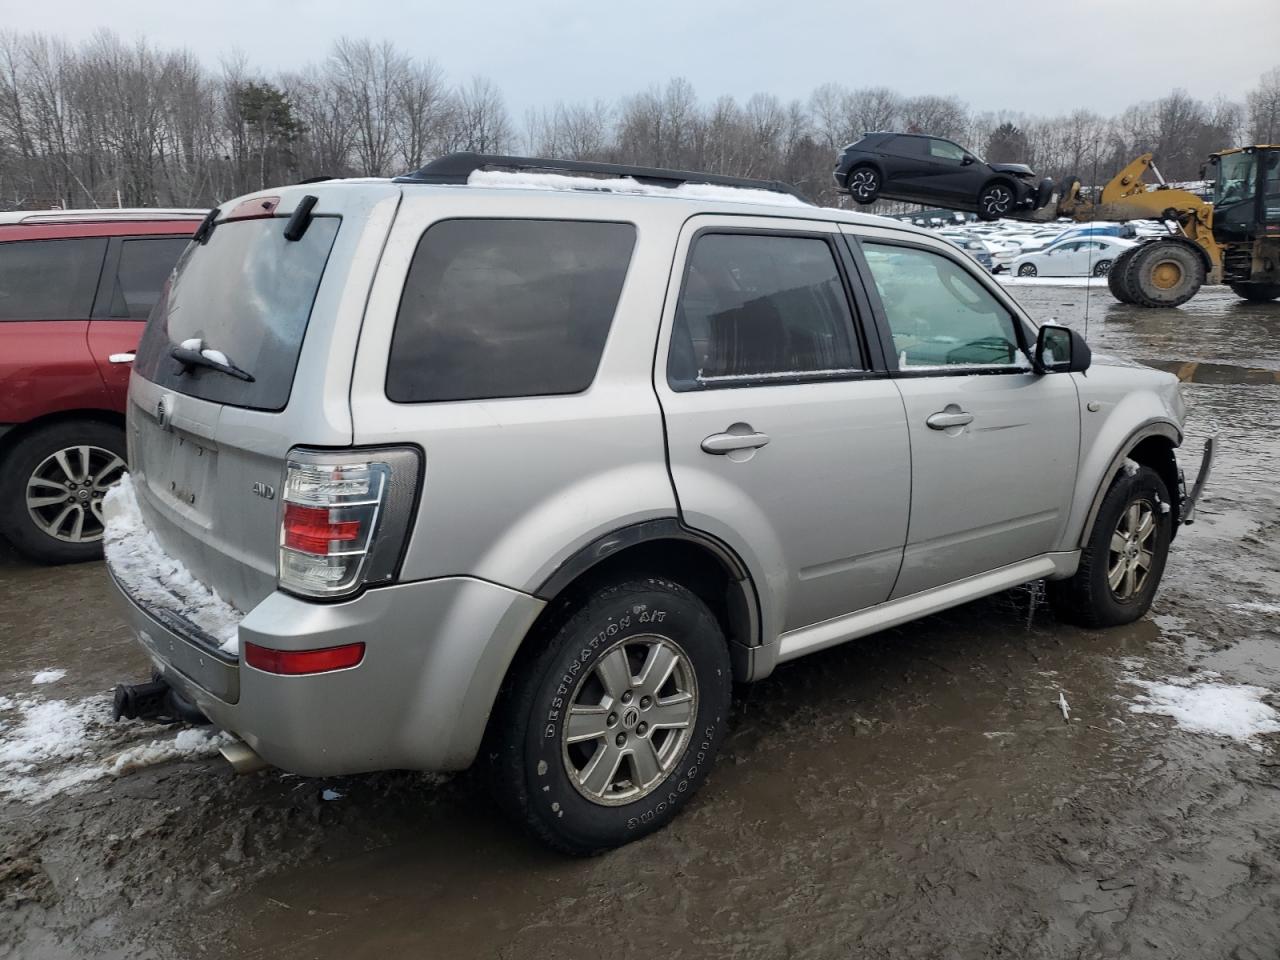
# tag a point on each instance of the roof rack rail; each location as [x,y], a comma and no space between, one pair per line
[455,168]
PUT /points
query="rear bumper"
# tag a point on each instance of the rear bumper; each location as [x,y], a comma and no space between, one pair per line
[436,652]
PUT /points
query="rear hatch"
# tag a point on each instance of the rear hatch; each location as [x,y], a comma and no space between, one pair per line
[207,445]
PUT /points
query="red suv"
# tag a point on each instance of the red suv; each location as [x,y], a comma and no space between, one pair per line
[75,290]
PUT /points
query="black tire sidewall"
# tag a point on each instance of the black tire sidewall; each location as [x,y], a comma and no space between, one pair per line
[1144,483]
[553,806]
[1028,270]
[16,468]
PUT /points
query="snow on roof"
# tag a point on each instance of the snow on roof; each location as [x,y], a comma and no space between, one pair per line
[625,185]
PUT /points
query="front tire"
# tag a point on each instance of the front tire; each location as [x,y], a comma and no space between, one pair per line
[864,184]
[51,487]
[995,201]
[1164,273]
[1102,268]
[1027,270]
[606,732]
[1124,558]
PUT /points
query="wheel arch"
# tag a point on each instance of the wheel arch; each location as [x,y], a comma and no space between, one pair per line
[18,432]
[705,565]
[1151,445]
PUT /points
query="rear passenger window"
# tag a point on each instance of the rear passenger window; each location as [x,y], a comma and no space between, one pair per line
[49,279]
[507,308]
[758,309]
[143,268]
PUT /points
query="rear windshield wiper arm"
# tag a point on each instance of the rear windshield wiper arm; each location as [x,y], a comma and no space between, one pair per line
[192,354]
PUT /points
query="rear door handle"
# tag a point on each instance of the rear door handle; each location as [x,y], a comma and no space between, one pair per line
[728,442]
[949,418]
[122,357]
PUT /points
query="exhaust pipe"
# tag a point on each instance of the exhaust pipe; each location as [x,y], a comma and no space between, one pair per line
[242,757]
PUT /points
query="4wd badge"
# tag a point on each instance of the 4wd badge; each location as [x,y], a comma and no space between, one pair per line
[264,490]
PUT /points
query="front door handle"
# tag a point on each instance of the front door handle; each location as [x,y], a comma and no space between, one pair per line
[728,442]
[949,418]
[121,357]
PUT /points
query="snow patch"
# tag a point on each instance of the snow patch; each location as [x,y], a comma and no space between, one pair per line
[51,746]
[48,676]
[153,578]
[1130,467]
[685,191]
[1257,606]
[1236,712]
[217,356]
[195,343]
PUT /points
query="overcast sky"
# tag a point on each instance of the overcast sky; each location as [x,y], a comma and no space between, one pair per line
[1031,56]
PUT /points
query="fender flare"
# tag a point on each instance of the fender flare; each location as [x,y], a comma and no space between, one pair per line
[647,531]
[1152,428]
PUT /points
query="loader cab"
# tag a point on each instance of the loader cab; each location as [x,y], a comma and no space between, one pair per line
[1246,193]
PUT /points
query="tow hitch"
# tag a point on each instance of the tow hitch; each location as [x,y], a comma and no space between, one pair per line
[156,701]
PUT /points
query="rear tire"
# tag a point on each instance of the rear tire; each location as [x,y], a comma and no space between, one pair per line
[864,184]
[51,487]
[629,766]
[1123,560]
[1164,273]
[1256,292]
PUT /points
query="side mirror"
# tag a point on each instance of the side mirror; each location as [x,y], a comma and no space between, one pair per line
[1060,350]
[967,159]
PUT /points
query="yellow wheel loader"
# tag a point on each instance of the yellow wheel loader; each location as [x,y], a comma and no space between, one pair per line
[1235,239]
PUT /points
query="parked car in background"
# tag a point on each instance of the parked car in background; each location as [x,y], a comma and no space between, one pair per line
[76,287]
[531,474]
[920,169]
[974,248]
[1092,256]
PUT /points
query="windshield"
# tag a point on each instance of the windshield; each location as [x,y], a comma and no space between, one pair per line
[1237,178]
[246,295]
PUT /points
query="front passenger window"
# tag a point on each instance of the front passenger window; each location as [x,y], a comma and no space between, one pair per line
[939,314]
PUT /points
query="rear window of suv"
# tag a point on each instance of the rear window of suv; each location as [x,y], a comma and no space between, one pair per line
[507,308]
[247,293]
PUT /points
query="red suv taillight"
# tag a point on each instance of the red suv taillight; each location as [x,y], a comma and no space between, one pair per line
[345,518]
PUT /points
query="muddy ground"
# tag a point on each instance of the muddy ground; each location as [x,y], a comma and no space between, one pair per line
[915,794]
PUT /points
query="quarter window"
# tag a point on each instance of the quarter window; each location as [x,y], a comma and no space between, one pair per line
[49,279]
[507,308]
[759,309]
[939,314]
[140,275]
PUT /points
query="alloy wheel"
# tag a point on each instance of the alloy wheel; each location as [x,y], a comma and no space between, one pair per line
[1132,550]
[629,720]
[65,491]
[997,200]
[1027,270]
[864,184]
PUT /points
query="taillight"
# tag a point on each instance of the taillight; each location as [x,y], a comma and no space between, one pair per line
[345,518]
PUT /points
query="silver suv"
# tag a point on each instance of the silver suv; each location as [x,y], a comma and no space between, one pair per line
[532,467]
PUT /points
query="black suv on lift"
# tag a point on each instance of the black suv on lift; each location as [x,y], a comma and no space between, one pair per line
[914,168]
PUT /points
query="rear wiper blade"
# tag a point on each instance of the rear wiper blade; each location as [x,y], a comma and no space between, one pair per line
[191,353]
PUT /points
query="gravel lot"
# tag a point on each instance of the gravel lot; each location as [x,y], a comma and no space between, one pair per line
[915,794]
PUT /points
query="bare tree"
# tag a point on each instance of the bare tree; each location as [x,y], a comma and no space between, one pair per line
[1264,109]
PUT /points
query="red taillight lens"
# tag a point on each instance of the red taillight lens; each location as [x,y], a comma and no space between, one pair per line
[295,662]
[311,530]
